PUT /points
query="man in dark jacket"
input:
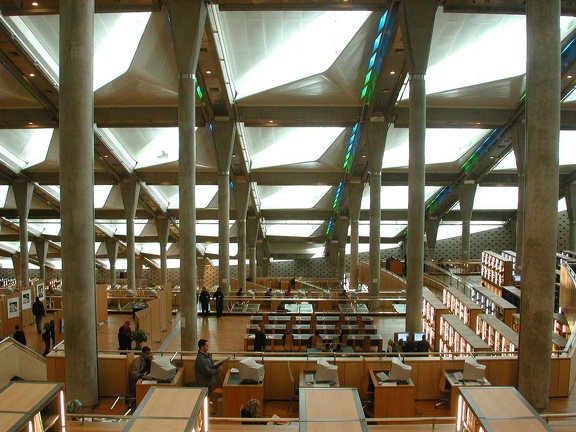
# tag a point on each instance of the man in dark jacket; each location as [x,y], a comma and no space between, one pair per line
[39,312]
[19,336]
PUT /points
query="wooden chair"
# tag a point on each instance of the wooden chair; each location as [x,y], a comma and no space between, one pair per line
[288,342]
[444,386]
[366,346]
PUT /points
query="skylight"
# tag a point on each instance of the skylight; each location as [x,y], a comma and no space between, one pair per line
[209,228]
[442,145]
[494,198]
[387,228]
[284,197]
[283,146]
[24,147]
[293,228]
[101,193]
[204,195]
[3,194]
[395,197]
[213,248]
[269,49]
[451,230]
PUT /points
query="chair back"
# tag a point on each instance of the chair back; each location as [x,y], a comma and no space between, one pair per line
[288,342]
[317,342]
[366,344]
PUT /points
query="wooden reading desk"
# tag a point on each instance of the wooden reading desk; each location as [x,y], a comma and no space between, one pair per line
[142,386]
[451,382]
[392,399]
[236,393]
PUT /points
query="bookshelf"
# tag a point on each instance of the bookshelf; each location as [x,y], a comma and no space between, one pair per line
[493,304]
[32,406]
[496,409]
[496,334]
[496,269]
[559,340]
[510,255]
[432,309]
[461,305]
[457,337]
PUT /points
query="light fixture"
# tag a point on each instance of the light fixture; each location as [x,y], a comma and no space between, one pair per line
[34,3]
[392,72]
[270,121]
[31,75]
[569,77]
[208,72]
[30,123]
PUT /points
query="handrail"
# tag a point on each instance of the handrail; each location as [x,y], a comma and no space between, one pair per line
[23,347]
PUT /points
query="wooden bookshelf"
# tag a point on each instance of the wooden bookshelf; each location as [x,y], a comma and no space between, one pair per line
[461,305]
[496,409]
[496,269]
[496,334]
[457,337]
[493,304]
[432,309]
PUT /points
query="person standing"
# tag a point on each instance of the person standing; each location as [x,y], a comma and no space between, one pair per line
[125,336]
[204,301]
[46,338]
[219,297]
[53,333]
[260,341]
[204,369]
[19,335]
[39,312]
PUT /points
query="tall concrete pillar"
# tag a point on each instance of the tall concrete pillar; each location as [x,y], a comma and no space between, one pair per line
[376,142]
[16,266]
[42,252]
[241,195]
[130,192]
[342,232]
[431,228]
[224,135]
[23,191]
[112,251]
[252,227]
[417,23]
[518,136]
[187,18]
[333,257]
[163,230]
[265,265]
[77,198]
[260,253]
[354,189]
[540,224]
[466,194]
[570,197]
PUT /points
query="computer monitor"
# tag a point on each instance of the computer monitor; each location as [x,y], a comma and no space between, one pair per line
[418,336]
[517,278]
[473,371]
[401,335]
[399,371]
[249,371]
[326,372]
[161,369]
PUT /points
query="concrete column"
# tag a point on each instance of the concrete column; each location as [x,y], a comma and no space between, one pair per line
[518,136]
[163,230]
[241,195]
[431,228]
[466,194]
[417,23]
[570,197]
[354,190]
[16,265]
[130,192]
[342,232]
[187,19]
[201,265]
[252,227]
[376,142]
[333,257]
[23,191]
[224,135]
[112,251]
[265,266]
[77,198]
[540,224]
[42,252]
[260,253]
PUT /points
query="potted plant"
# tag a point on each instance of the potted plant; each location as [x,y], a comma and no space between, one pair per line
[139,336]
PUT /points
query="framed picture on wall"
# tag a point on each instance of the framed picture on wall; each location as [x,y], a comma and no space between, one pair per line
[40,291]
[13,308]
[26,303]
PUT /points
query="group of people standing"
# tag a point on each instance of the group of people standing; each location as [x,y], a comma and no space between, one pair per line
[204,299]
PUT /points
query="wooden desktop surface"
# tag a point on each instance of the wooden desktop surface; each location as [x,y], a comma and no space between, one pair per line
[392,399]
[236,394]
[454,384]
[143,387]
[303,384]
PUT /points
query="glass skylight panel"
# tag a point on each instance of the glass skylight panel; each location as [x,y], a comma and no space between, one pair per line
[269,49]
[3,194]
[204,195]
[395,197]
[454,229]
[120,227]
[562,206]
[494,198]
[150,248]
[149,146]
[10,246]
[285,197]
[45,227]
[284,146]
[508,163]
[101,194]
[209,228]
[442,145]
[387,228]
[24,147]
[292,228]
[213,248]
[52,190]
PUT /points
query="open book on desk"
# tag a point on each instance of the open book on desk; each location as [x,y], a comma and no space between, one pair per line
[277,423]
[219,362]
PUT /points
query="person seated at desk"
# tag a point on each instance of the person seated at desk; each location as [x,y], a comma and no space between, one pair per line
[260,340]
[250,410]
[239,293]
[140,369]
[288,292]
[423,345]
[268,293]
[315,341]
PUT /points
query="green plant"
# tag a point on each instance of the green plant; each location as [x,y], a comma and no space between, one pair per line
[139,336]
